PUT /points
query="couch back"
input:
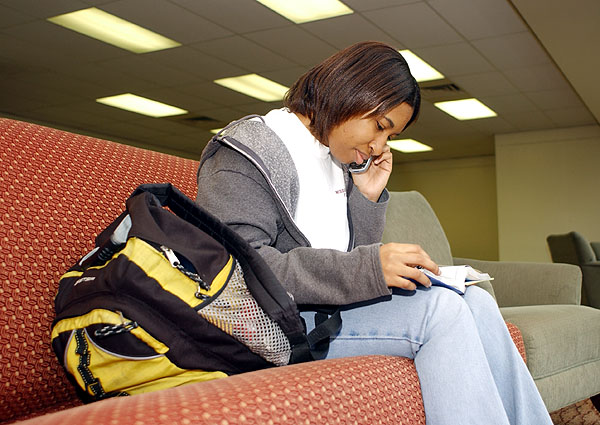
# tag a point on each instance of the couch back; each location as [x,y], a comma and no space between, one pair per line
[57,191]
[410,219]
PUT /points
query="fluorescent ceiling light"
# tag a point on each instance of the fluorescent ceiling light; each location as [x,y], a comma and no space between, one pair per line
[141,105]
[113,30]
[466,109]
[216,130]
[409,146]
[307,10]
[420,69]
[256,86]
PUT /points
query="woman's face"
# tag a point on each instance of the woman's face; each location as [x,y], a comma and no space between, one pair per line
[359,138]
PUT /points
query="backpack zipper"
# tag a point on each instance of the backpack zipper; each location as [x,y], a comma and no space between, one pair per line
[175,263]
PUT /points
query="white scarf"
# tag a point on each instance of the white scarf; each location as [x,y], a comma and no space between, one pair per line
[322,211]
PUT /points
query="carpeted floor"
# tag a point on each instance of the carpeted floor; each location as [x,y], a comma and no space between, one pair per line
[582,413]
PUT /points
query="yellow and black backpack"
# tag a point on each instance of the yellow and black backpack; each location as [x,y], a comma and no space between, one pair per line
[170,295]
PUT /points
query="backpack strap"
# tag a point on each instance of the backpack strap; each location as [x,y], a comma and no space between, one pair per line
[316,346]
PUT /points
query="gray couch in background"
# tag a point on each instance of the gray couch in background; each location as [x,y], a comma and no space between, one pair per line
[596,248]
[574,248]
[562,337]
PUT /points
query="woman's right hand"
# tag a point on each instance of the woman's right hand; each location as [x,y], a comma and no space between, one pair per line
[399,262]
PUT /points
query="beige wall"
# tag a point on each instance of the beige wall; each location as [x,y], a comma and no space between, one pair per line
[547,182]
[462,193]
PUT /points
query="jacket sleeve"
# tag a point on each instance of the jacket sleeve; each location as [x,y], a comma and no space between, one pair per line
[368,218]
[240,197]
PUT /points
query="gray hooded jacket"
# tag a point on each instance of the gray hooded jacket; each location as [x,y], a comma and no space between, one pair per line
[248,180]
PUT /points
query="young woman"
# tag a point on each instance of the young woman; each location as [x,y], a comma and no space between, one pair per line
[282,181]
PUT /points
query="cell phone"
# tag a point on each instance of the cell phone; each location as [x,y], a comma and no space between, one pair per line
[360,168]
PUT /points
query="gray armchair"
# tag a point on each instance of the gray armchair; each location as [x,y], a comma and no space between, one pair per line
[562,337]
[596,248]
[574,248]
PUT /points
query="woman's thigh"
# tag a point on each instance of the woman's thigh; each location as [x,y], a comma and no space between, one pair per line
[398,325]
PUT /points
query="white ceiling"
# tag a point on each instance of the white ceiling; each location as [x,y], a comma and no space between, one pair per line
[531,69]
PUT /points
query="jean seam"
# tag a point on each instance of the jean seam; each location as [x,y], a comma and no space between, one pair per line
[381,338]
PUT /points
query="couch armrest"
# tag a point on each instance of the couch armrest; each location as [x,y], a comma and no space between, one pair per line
[518,284]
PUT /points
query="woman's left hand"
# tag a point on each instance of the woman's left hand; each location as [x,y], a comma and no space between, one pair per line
[372,182]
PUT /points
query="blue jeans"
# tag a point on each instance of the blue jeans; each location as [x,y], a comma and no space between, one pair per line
[469,368]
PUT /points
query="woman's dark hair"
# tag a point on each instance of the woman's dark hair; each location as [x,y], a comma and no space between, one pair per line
[365,78]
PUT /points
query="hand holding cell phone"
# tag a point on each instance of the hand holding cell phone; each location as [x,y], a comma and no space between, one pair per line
[372,176]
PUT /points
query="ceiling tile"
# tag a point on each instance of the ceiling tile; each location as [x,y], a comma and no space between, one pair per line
[36,92]
[512,51]
[144,68]
[173,96]
[23,57]
[455,59]
[196,123]
[112,79]
[104,112]
[193,144]
[233,14]
[215,93]
[415,25]
[10,17]
[165,125]
[77,47]
[20,57]
[491,126]
[63,84]
[335,31]
[569,117]
[261,108]
[516,102]
[437,122]
[295,44]
[198,64]
[97,2]
[167,19]
[555,99]
[287,76]
[13,99]
[46,9]
[362,5]
[71,117]
[224,115]
[452,146]
[537,78]
[485,84]
[244,53]
[480,18]
[131,131]
[532,120]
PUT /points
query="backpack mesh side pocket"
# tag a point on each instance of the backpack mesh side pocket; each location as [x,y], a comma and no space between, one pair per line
[236,312]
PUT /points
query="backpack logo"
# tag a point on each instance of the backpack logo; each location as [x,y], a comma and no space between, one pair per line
[84,279]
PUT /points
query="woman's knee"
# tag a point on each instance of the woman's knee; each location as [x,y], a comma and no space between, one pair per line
[448,306]
[483,306]
[478,298]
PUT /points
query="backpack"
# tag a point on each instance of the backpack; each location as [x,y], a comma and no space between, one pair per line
[170,295]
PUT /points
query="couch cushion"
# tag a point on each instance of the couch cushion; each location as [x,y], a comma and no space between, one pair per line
[561,342]
[354,390]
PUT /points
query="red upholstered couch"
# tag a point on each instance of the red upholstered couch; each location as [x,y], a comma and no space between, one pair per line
[58,190]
